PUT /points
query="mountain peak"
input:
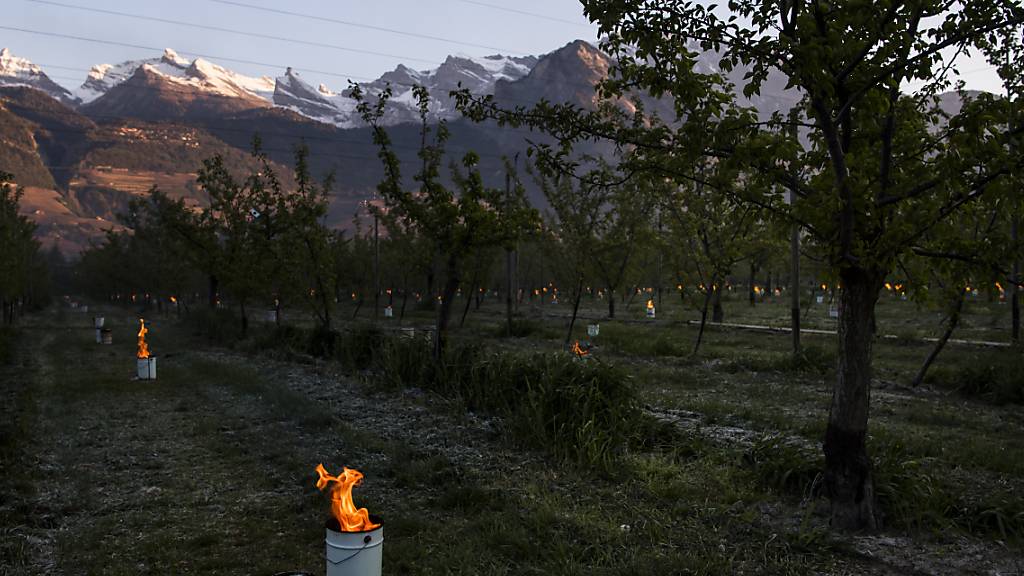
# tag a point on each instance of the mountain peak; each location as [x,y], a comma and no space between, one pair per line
[171,57]
[15,71]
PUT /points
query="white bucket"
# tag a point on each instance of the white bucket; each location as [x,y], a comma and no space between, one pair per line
[650,312]
[99,335]
[271,316]
[833,312]
[593,330]
[820,299]
[389,312]
[355,553]
[97,321]
[147,368]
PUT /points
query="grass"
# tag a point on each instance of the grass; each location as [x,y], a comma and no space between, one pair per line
[213,462]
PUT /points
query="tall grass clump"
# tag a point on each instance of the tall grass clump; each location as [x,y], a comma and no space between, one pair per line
[996,377]
[585,412]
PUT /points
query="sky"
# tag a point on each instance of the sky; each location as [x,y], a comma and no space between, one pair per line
[328,41]
[323,48]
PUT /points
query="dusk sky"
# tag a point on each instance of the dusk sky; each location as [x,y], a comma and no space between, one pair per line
[339,40]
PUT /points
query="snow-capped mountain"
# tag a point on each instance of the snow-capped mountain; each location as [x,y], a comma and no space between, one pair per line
[292,92]
[199,74]
[479,75]
[15,71]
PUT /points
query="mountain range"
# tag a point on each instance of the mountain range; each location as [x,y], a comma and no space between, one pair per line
[140,123]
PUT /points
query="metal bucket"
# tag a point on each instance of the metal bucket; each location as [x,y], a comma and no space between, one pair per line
[593,330]
[354,553]
[97,321]
[389,312]
[147,368]
[106,336]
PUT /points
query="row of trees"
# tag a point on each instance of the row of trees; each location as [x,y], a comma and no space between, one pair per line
[873,183]
[872,175]
[24,276]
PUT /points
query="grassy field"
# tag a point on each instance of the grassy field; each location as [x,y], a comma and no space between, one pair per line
[209,469]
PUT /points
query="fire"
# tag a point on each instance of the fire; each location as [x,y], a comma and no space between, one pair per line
[143,348]
[174,300]
[578,350]
[650,304]
[350,518]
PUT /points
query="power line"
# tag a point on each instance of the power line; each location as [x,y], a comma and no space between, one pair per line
[235,60]
[366,26]
[196,54]
[233,31]
[524,13]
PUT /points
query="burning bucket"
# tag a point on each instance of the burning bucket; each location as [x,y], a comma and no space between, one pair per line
[354,553]
[650,308]
[146,362]
[147,368]
[354,540]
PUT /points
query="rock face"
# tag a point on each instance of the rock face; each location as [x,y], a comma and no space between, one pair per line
[15,71]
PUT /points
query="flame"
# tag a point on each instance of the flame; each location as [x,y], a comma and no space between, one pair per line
[143,348]
[888,286]
[650,304]
[174,300]
[350,518]
[578,350]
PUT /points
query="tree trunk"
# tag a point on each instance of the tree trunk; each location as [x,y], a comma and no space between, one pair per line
[767,286]
[718,313]
[445,310]
[794,286]
[213,286]
[611,303]
[575,309]
[508,291]
[847,465]
[951,324]
[465,310]
[703,321]
[405,298]
[245,318]
[751,293]
[1014,287]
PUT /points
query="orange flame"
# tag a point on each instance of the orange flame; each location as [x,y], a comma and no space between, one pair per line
[143,348]
[650,304]
[350,518]
[174,300]
[578,350]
